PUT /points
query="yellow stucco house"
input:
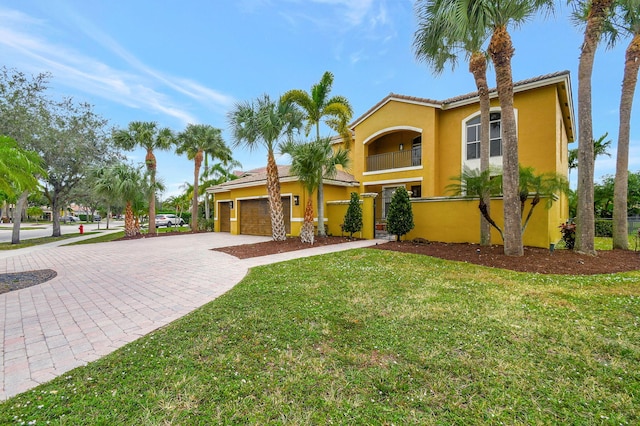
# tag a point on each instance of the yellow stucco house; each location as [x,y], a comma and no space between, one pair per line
[421,144]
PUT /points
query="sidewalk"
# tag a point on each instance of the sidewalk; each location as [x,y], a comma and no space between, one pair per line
[109,295]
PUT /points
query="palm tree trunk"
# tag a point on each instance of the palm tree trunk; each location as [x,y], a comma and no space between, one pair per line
[321,230]
[585,217]
[150,161]
[129,223]
[478,67]
[484,211]
[196,177]
[501,50]
[306,233]
[621,183]
[278,230]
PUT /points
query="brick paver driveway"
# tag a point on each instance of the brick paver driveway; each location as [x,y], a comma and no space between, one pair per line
[107,295]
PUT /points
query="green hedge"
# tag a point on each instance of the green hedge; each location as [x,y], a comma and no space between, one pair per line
[604,228]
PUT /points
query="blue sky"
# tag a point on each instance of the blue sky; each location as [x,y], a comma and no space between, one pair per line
[189,62]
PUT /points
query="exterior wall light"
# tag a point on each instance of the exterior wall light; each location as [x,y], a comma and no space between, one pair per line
[296,200]
[231,204]
[401,146]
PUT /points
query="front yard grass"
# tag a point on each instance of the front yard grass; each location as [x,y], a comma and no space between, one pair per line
[372,337]
[37,241]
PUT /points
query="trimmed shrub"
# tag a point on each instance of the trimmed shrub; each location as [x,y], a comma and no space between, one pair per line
[400,215]
[604,228]
[353,217]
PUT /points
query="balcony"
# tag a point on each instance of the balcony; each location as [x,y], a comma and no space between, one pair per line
[395,160]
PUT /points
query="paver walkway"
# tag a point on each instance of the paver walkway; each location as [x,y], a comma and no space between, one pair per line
[107,295]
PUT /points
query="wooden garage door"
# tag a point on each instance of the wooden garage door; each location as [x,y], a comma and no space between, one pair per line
[255,218]
[224,216]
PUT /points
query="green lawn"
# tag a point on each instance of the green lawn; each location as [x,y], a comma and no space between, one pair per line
[37,241]
[372,337]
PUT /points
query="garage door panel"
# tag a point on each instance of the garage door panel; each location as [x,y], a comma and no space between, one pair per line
[224,216]
[255,218]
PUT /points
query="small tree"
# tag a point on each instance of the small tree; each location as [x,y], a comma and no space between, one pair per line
[400,217]
[353,217]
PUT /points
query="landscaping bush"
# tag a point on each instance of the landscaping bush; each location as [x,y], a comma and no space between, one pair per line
[604,228]
[568,231]
[353,217]
[400,216]
[206,225]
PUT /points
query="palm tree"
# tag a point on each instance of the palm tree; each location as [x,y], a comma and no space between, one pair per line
[627,22]
[540,185]
[444,32]
[600,148]
[123,182]
[311,162]
[474,183]
[215,175]
[336,112]
[498,16]
[594,13]
[147,135]
[265,122]
[195,141]
[19,169]
[19,172]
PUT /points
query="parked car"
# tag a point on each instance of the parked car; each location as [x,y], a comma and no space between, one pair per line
[66,219]
[168,220]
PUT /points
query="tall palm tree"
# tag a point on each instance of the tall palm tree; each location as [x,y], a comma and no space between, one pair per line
[194,141]
[123,182]
[311,162]
[498,16]
[445,32]
[336,112]
[627,22]
[595,14]
[147,135]
[264,122]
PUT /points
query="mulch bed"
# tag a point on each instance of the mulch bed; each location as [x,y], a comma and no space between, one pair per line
[274,247]
[535,260]
[20,280]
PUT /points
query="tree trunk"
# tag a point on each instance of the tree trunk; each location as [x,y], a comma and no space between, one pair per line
[17,217]
[150,160]
[585,217]
[478,67]
[321,231]
[306,234]
[196,176]
[129,222]
[621,183]
[278,230]
[501,50]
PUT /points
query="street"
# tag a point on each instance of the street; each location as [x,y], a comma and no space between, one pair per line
[45,229]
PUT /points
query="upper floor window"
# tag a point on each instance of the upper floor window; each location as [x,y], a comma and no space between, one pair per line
[473,137]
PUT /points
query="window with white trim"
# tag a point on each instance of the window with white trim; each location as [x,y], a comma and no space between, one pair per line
[473,137]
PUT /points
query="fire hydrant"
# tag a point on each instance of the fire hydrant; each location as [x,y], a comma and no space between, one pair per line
[81,229]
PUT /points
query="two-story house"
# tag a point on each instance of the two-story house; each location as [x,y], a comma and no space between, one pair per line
[422,144]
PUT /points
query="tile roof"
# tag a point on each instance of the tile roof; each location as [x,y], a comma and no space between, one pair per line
[259,175]
[443,104]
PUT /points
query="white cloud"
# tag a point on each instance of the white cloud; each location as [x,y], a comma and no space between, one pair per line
[26,41]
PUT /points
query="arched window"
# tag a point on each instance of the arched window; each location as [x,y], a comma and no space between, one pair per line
[473,137]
